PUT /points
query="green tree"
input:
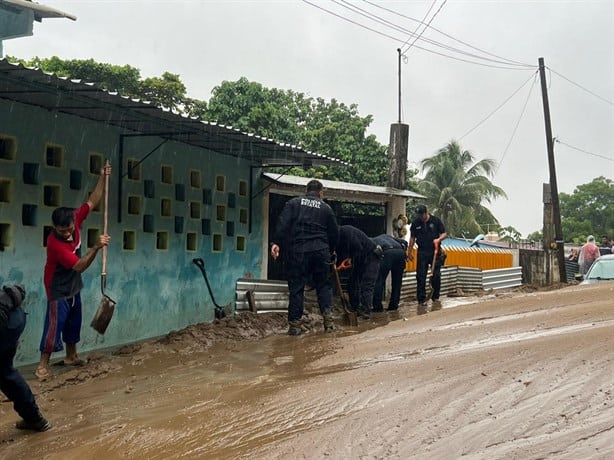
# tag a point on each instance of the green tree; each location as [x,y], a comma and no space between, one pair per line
[167,90]
[457,186]
[509,234]
[588,210]
[327,127]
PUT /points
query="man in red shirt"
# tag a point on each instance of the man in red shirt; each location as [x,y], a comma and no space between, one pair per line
[63,281]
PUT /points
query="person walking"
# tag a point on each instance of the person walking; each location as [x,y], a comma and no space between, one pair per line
[428,232]
[588,253]
[393,262]
[365,255]
[62,278]
[306,236]
[12,383]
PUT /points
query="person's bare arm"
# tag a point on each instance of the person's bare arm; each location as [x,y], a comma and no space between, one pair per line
[96,194]
[410,248]
[85,261]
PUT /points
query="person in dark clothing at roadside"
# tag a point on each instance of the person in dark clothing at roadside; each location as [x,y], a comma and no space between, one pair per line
[12,384]
[428,231]
[393,262]
[306,236]
[365,255]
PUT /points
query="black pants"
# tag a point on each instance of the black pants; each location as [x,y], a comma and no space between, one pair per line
[12,383]
[424,260]
[315,267]
[393,263]
[362,284]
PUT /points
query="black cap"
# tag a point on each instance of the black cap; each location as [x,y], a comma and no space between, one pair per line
[419,211]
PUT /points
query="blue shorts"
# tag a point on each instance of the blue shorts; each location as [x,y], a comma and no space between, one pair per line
[62,323]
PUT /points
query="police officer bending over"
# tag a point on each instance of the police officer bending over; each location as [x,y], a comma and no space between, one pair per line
[306,236]
[393,262]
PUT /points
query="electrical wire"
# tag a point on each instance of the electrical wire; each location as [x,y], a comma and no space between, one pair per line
[421,23]
[362,12]
[510,61]
[506,66]
[524,108]
[498,107]
[426,26]
[580,86]
[583,151]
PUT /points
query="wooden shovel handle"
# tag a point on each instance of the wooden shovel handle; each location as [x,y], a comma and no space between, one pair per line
[105,218]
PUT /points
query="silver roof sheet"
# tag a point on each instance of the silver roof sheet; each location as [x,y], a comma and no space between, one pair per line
[343,187]
[40,11]
[74,97]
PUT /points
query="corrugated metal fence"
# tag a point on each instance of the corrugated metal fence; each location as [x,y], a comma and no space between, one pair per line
[478,257]
[265,295]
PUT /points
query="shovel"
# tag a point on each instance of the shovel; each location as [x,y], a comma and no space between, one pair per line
[351,314]
[105,310]
[435,254]
[220,311]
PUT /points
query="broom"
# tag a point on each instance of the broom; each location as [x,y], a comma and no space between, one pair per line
[105,310]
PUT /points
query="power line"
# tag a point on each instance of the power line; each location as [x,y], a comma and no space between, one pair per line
[583,151]
[498,107]
[426,26]
[510,61]
[422,23]
[378,19]
[580,86]
[524,108]
[506,65]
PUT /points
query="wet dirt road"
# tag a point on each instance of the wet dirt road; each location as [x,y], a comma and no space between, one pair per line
[520,375]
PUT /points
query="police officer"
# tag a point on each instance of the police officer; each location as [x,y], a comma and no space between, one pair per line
[393,262]
[365,255]
[428,231]
[306,236]
[12,384]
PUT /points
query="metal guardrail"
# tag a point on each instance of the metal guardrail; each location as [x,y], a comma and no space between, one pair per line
[267,295]
[502,278]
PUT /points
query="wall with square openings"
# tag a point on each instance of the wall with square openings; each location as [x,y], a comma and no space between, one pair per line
[168,204]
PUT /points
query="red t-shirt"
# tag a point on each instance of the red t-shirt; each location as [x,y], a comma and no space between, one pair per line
[61,281]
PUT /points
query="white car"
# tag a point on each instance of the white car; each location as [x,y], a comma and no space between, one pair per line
[601,270]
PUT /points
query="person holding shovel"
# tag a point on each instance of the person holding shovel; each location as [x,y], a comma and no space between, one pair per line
[306,236]
[428,231]
[62,278]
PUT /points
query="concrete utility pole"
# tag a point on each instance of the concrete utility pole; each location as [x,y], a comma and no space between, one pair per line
[397,149]
[556,211]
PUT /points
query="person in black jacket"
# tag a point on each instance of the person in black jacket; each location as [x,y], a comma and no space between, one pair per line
[365,255]
[428,231]
[12,384]
[393,262]
[306,236]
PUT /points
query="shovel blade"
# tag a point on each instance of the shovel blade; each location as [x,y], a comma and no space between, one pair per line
[103,315]
[352,318]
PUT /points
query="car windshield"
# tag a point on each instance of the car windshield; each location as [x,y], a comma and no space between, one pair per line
[602,269]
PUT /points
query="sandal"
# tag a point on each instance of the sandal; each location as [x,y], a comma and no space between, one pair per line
[42,373]
[74,362]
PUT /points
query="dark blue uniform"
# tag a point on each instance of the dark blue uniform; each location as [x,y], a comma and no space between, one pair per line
[425,233]
[307,234]
[393,262]
[355,244]
[12,383]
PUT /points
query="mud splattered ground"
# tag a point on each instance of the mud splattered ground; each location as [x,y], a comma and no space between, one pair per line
[525,374]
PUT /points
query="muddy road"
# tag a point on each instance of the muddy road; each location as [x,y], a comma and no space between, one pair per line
[520,375]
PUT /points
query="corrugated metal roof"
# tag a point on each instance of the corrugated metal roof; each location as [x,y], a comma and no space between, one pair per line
[74,97]
[40,11]
[345,187]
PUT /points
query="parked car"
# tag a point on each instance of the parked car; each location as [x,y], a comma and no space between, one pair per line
[601,270]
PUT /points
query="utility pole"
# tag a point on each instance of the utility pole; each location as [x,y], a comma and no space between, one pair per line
[399,52]
[556,210]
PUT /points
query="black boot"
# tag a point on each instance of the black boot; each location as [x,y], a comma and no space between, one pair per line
[38,424]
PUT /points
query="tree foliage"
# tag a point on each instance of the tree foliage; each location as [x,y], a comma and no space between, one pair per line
[457,187]
[588,210]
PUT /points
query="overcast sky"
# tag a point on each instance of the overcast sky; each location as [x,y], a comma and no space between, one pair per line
[290,44]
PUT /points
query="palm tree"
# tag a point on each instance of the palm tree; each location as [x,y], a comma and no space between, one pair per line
[456,187]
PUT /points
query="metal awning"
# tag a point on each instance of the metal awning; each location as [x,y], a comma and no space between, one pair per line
[40,11]
[346,191]
[74,97]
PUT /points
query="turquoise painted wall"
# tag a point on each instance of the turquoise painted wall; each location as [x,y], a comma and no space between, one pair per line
[157,290]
